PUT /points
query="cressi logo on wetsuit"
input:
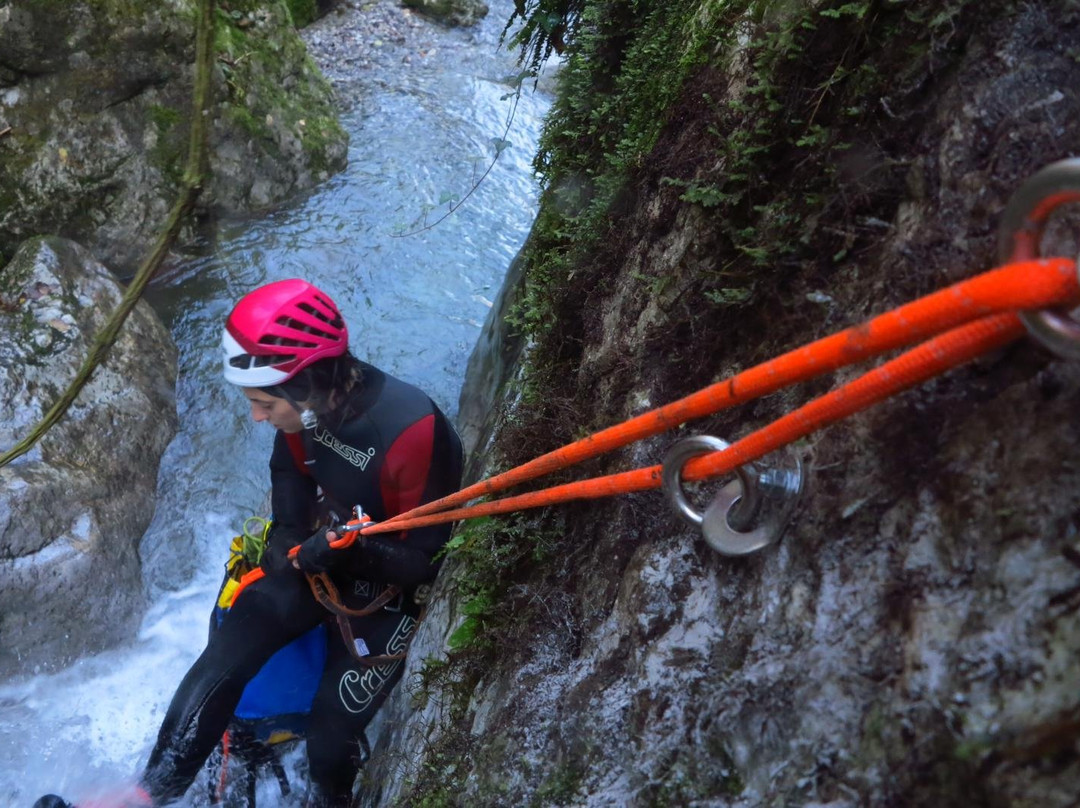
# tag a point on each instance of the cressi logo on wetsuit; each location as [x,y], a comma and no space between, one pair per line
[355,456]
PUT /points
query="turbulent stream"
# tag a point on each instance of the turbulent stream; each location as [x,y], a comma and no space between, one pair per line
[421,119]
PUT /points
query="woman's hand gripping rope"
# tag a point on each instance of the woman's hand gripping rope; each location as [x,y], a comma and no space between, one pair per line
[322,544]
[316,554]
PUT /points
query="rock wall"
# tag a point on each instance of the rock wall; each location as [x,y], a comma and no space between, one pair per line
[94,100]
[492,362]
[73,509]
[912,640]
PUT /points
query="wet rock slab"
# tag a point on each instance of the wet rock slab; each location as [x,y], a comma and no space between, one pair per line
[73,509]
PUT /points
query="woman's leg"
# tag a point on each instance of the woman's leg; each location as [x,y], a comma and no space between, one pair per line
[268,615]
[349,696]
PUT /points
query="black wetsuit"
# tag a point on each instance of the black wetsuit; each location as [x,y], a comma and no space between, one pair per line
[393,450]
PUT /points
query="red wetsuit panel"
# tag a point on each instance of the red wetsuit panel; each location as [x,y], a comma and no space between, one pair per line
[405,470]
[296,446]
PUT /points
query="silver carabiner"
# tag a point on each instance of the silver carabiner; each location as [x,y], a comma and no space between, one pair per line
[746,515]
[1021,230]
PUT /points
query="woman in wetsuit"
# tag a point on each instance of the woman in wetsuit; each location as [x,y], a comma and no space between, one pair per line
[352,435]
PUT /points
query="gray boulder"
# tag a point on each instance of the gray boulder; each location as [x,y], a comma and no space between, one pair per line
[95,100]
[73,509]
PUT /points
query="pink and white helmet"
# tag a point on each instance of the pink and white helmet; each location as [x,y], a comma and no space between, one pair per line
[279,329]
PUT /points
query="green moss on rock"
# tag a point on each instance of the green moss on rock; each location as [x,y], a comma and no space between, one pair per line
[294,92]
[303,12]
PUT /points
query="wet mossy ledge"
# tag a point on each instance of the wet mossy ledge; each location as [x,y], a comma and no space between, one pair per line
[96,96]
[721,183]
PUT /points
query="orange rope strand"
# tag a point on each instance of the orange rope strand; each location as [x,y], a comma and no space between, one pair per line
[907,370]
[1024,285]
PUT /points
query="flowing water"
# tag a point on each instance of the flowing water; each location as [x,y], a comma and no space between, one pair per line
[415,304]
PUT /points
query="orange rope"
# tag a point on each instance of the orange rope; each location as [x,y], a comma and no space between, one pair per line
[1018,286]
[905,371]
[223,773]
[917,365]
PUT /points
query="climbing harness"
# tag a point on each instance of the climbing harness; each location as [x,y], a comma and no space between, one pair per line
[953,325]
[265,719]
[327,594]
[268,715]
[241,572]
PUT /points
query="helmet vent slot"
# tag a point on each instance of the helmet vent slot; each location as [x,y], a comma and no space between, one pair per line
[272,359]
[249,361]
[296,325]
[314,312]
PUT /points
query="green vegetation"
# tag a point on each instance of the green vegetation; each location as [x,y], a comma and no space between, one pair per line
[492,550]
[561,785]
[303,12]
[625,69]
[776,90]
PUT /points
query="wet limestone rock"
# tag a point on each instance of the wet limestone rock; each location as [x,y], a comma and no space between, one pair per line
[450,12]
[913,638]
[73,509]
[95,96]
[491,363]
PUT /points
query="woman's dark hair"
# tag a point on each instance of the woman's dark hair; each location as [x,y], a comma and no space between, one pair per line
[327,386]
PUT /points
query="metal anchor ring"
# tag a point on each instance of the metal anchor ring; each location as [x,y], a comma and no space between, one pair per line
[676,458]
[747,514]
[1021,229]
